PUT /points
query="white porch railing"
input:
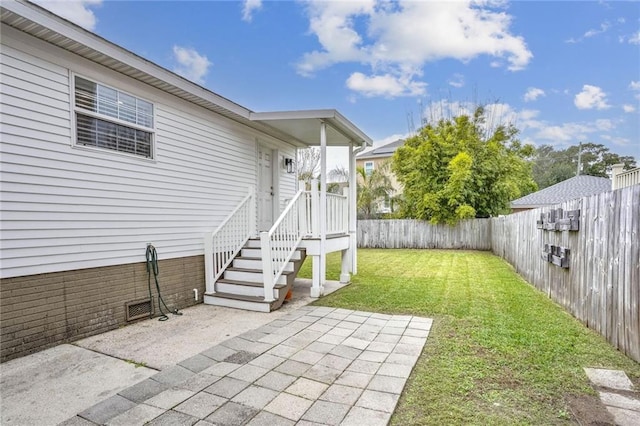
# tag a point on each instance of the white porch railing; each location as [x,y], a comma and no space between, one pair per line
[223,244]
[280,242]
[337,214]
[626,178]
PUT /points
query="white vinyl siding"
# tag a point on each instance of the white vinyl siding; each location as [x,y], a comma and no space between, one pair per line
[65,208]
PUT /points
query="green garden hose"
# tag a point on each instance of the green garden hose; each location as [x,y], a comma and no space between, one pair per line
[152,266]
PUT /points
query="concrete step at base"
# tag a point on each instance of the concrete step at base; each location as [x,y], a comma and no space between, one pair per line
[243,288]
[247,303]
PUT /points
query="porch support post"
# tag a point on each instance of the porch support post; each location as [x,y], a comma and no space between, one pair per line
[345,276]
[320,272]
[353,211]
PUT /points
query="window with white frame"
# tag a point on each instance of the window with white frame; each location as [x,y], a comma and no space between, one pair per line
[110,119]
[368,167]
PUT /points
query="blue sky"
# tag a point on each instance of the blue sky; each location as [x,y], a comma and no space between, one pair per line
[563,72]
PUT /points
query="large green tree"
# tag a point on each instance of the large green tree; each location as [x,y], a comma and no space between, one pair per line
[551,166]
[461,168]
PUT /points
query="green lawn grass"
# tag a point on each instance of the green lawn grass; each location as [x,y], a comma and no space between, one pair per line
[499,352]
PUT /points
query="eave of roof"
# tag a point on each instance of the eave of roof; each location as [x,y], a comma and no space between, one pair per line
[42,24]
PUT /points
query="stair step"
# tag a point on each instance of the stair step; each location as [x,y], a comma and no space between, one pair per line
[255,263]
[247,283]
[251,303]
[257,253]
[251,275]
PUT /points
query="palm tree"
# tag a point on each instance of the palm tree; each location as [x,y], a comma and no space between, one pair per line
[373,188]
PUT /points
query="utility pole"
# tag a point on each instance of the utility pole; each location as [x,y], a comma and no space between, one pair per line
[579,158]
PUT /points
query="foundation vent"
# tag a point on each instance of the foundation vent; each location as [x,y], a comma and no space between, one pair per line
[139,309]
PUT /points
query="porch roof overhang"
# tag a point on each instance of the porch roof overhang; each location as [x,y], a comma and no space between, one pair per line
[304,126]
[299,128]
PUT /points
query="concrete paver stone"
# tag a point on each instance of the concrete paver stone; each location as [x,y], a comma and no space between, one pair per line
[218,352]
[197,363]
[248,373]
[199,382]
[144,390]
[327,413]
[200,405]
[381,401]
[369,355]
[322,374]
[620,401]
[289,406]
[359,416]
[354,379]
[227,387]
[276,381]
[395,370]
[232,413]
[138,415]
[173,418]
[255,396]
[265,418]
[221,368]
[267,361]
[342,394]
[386,384]
[625,417]
[170,398]
[174,376]
[76,421]
[104,411]
[613,379]
[306,388]
[293,368]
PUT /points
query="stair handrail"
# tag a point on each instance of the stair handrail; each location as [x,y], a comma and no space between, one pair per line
[223,244]
[280,242]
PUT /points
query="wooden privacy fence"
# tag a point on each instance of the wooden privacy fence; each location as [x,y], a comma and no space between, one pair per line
[601,286]
[472,234]
[597,275]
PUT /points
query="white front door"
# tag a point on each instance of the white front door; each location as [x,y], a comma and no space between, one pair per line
[265,188]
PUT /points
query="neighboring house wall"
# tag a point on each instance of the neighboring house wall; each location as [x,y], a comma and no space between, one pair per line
[377,163]
[76,221]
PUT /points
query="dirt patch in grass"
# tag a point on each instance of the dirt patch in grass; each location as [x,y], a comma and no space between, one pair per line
[588,410]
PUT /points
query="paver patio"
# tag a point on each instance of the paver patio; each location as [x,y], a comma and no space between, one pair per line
[316,365]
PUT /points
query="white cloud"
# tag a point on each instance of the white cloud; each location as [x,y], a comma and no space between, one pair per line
[191,64]
[634,85]
[616,140]
[398,38]
[628,108]
[77,11]
[591,97]
[533,93]
[385,85]
[631,39]
[456,80]
[249,7]
[593,32]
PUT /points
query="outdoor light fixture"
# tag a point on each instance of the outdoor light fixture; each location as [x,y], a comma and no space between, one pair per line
[288,165]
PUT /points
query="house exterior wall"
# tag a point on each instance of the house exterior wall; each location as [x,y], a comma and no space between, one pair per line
[70,211]
[41,311]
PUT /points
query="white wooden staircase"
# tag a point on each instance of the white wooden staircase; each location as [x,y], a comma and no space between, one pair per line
[241,285]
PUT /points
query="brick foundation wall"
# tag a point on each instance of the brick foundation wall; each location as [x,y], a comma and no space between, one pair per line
[41,311]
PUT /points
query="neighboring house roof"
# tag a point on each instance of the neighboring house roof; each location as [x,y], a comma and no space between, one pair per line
[298,127]
[570,189]
[382,151]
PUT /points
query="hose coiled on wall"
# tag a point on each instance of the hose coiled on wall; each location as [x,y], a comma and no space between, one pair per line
[152,266]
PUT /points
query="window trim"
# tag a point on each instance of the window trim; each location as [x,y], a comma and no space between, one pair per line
[372,167]
[75,110]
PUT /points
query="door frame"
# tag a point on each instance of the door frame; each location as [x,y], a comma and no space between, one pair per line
[275,179]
